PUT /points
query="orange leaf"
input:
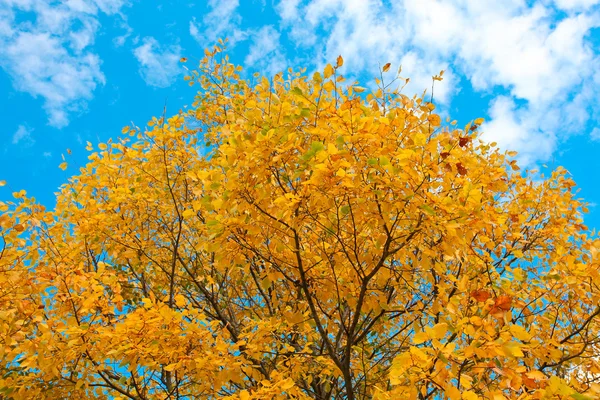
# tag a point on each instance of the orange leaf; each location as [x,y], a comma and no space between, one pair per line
[503,303]
[461,169]
[480,295]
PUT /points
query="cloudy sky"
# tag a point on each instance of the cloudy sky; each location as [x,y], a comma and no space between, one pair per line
[79,70]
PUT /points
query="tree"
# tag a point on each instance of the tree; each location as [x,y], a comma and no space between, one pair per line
[325,245]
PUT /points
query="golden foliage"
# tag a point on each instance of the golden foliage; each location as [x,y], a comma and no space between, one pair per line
[324,245]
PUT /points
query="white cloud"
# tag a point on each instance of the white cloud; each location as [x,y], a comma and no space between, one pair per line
[110,6]
[366,33]
[570,5]
[194,31]
[288,9]
[50,55]
[120,40]
[516,129]
[42,66]
[264,52]
[222,21]
[540,58]
[523,54]
[23,136]
[595,134]
[158,66]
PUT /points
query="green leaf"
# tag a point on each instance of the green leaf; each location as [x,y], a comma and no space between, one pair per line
[315,147]
[428,209]
[296,90]
[579,396]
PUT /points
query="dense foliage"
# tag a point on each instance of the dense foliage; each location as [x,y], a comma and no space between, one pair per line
[288,238]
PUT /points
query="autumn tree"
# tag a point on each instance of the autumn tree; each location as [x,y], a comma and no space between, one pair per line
[295,238]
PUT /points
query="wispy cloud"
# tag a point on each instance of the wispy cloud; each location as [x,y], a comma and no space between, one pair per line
[23,136]
[120,40]
[50,56]
[265,51]
[42,66]
[222,21]
[159,66]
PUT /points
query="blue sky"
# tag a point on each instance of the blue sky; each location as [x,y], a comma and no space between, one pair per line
[79,70]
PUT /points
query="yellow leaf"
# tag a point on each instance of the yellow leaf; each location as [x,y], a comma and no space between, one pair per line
[63,166]
[180,300]
[469,395]
[439,331]
[124,130]
[452,392]
[328,71]
[420,139]
[170,367]
[512,349]
[287,384]
[188,213]
[2,183]
[420,337]
[434,119]
[520,333]
[317,77]
[244,395]
[539,375]
[147,302]
[479,121]
[419,353]
[386,67]
[339,62]
[329,86]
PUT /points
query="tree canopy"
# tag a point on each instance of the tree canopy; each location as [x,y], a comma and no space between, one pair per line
[300,237]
